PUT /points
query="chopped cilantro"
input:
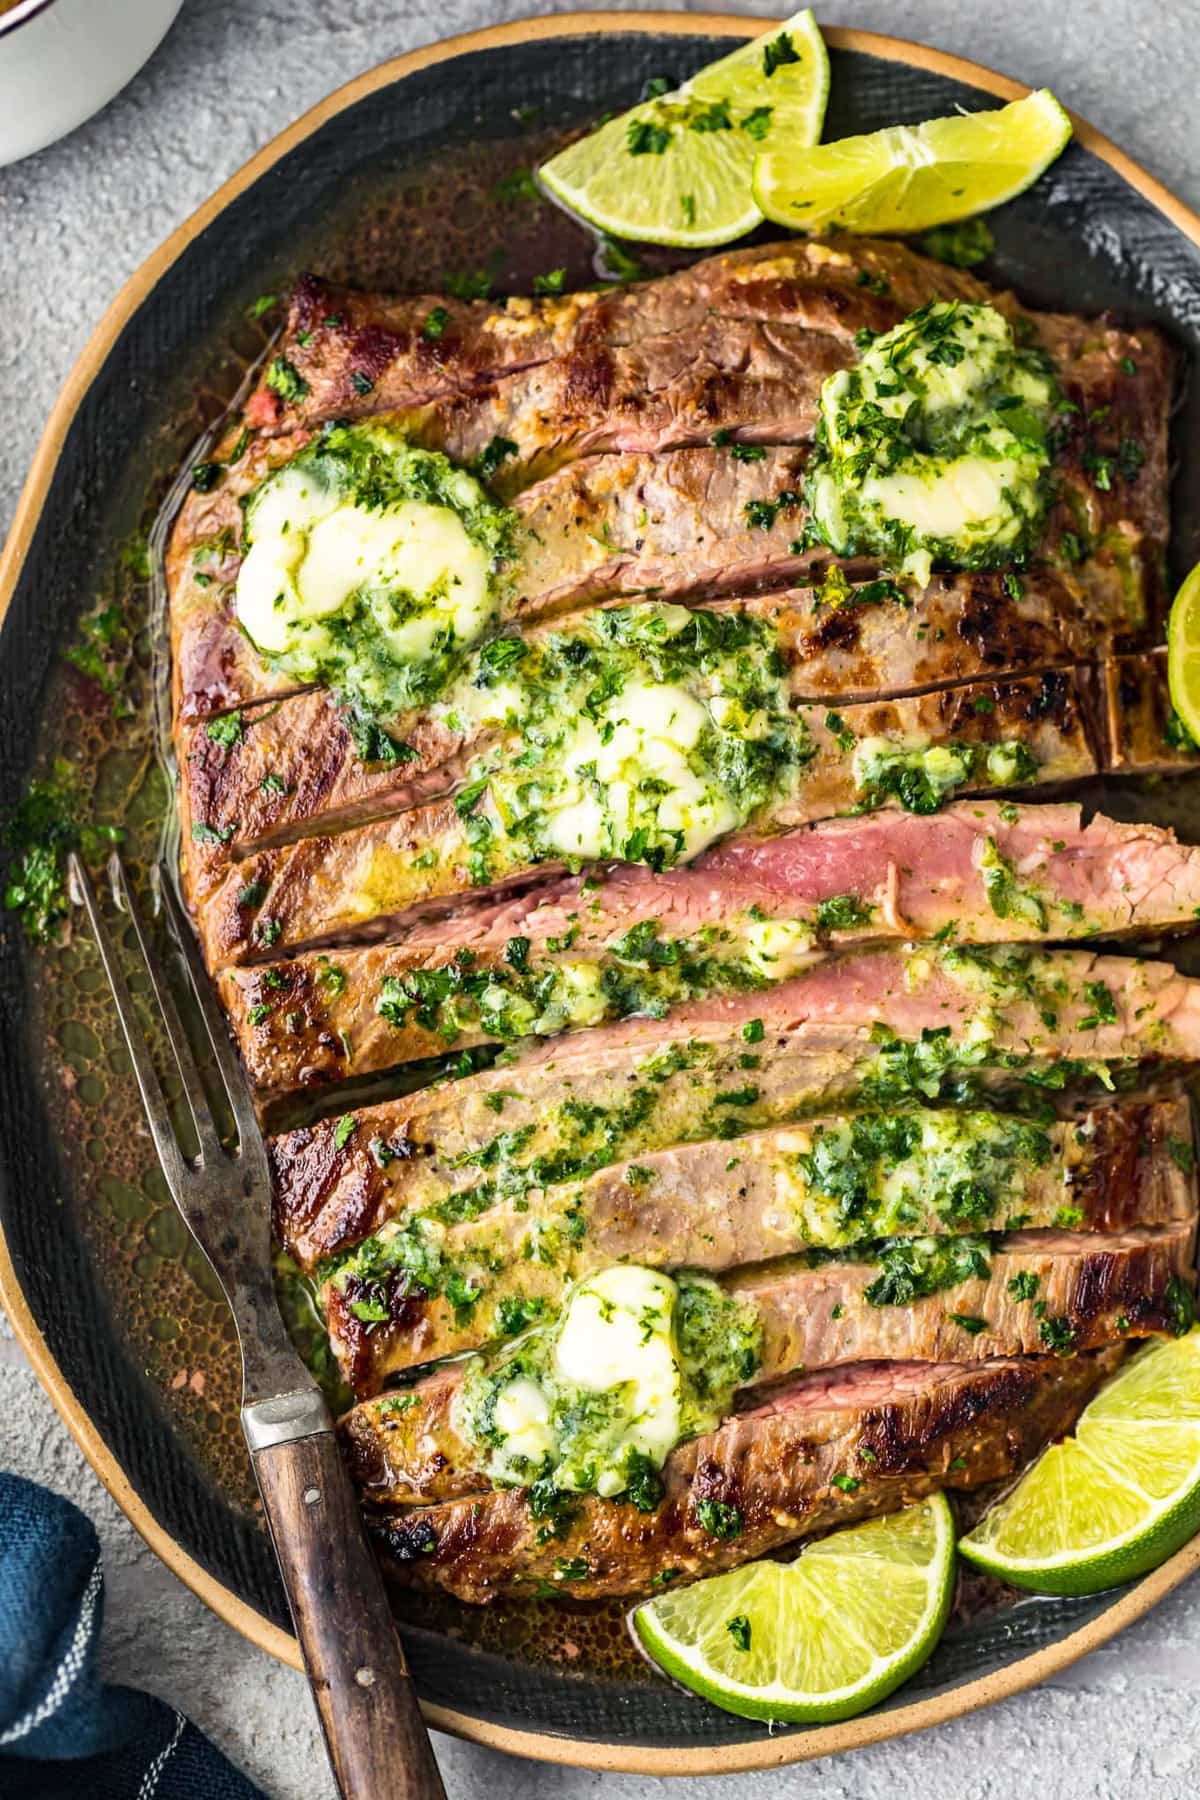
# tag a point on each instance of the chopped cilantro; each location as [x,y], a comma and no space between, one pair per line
[1182,1154]
[284,379]
[719,1519]
[756,124]
[777,52]
[495,452]
[644,138]
[225,731]
[40,832]
[969,1322]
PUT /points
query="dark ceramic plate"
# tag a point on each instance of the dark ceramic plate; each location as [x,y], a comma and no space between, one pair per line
[117,1312]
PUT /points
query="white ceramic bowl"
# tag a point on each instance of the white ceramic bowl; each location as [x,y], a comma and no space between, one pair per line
[62,60]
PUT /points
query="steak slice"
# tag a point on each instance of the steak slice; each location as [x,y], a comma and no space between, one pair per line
[621,522]
[830,1448]
[519,1264]
[1041,1288]
[293,766]
[1146,735]
[878,1025]
[991,873]
[357,885]
[738,383]
[334,335]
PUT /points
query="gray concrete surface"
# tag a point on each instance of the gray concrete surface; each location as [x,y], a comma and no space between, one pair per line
[74,222]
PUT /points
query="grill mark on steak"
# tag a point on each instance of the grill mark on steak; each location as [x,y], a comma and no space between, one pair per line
[776,1467]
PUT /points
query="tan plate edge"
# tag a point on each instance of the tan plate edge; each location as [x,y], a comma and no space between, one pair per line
[545,1747]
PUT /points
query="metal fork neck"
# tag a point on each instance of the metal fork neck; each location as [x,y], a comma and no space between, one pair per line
[285,1417]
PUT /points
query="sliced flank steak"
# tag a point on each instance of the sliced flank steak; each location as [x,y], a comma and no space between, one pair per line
[291,767]
[1035,1291]
[623,520]
[880,1025]
[426,347]
[396,1303]
[980,871]
[832,1447]
[1000,736]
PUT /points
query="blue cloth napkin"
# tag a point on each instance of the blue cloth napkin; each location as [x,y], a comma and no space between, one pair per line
[64,1733]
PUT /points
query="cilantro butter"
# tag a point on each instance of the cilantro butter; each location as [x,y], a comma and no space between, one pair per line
[596,1402]
[370,566]
[920,776]
[647,732]
[934,448]
[879,1175]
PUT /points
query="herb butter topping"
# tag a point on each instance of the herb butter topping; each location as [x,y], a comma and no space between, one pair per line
[371,566]
[921,776]
[597,1401]
[934,449]
[880,1175]
[640,971]
[646,732]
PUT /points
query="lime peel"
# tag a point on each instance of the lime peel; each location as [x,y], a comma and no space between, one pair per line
[676,169]
[818,1639]
[910,178]
[1117,1498]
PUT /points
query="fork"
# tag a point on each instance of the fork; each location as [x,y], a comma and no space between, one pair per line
[377,1741]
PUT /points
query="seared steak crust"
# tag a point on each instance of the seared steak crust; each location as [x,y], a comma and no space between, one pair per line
[335,334]
[832,1448]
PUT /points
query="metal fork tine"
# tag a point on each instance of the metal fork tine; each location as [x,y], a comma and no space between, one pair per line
[232,1073]
[181,1050]
[157,1117]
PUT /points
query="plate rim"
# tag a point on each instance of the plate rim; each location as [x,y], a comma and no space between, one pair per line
[614,1755]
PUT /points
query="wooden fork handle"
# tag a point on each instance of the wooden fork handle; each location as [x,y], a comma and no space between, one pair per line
[378,1744]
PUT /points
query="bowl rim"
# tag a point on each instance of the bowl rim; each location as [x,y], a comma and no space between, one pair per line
[614,1755]
[23,13]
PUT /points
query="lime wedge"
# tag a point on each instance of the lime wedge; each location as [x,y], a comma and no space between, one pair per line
[676,169]
[1183,653]
[1116,1499]
[911,177]
[817,1639]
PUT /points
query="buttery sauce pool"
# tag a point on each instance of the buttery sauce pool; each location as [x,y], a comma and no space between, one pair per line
[408,229]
